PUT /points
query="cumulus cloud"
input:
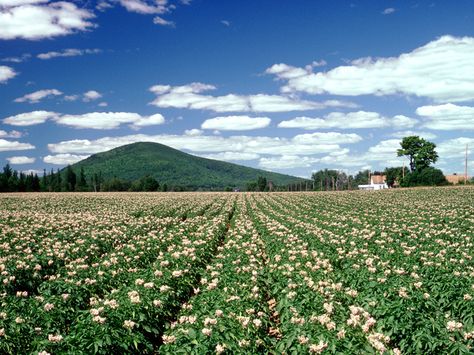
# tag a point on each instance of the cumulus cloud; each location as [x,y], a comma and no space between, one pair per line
[30,118]
[287,162]
[20,160]
[193,132]
[441,70]
[70,52]
[63,159]
[20,59]
[191,97]
[455,148]
[209,144]
[37,96]
[92,120]
[447,117]
[388,11]
[327,137]
[6,145]
[157,20]
[382,154]
[351,120]
[423,134]
[232,156]
[236,123]
[33,20]
[6,73]
[11,134]
[109,120]
[91,95]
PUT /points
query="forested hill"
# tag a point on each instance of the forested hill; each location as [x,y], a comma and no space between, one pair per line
[173,167]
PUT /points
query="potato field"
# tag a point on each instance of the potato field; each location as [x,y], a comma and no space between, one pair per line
[388,272]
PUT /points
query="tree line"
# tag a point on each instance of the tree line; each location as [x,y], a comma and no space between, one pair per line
[68,181]
[420,153]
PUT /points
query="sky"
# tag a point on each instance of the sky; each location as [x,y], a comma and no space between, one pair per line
[286,86]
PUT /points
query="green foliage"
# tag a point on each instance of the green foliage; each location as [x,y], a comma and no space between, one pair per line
[326,180]
[13,181]
[392,175]
[427,177]
[420,152]
[178,170]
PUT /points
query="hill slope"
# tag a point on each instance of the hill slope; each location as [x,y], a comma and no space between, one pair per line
[173,167]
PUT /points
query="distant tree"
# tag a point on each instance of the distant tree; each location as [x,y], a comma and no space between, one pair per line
[251,186]
[82,182]
[329,180]
[420,152]
[362,177]
[36,184]
[393,174]
[70,179]
[426,177]
[261,183]
[149,183]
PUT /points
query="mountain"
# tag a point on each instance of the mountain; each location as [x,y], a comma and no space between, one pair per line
[173,167]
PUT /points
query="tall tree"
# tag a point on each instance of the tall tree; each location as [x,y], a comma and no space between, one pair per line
[420,152]
[82,182]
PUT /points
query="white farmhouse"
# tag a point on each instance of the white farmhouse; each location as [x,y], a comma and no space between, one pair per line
[377,182]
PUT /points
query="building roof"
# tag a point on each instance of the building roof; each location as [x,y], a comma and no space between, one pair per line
[377,179]
[455,178]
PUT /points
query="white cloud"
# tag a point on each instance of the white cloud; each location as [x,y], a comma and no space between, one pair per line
[31,171]
[236,123]
[422,134]
[201,144]
[287,162]
[225,23]
[103,104]
[145,7]
[38,19]
[11,3]
[93,120]
[447,117]
[351,120]
[11,134]
[6,146]
[20,59]
[190,96]
[193,132]
[91,95]
[6,73]
[388,11]
[441,70]
[456,148]
[382,154]
[157,20]
[36,96]
[327,138]
[70,52]
[30,118]
[71,97]
[63,159]
[109,120]
[20,160]
[232,156]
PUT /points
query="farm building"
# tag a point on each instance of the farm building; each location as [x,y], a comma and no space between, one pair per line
[456,179]
[377,182]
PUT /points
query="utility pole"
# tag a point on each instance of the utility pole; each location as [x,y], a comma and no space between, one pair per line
[465,168]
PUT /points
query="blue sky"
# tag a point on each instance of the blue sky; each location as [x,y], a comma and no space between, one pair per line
[287,86]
